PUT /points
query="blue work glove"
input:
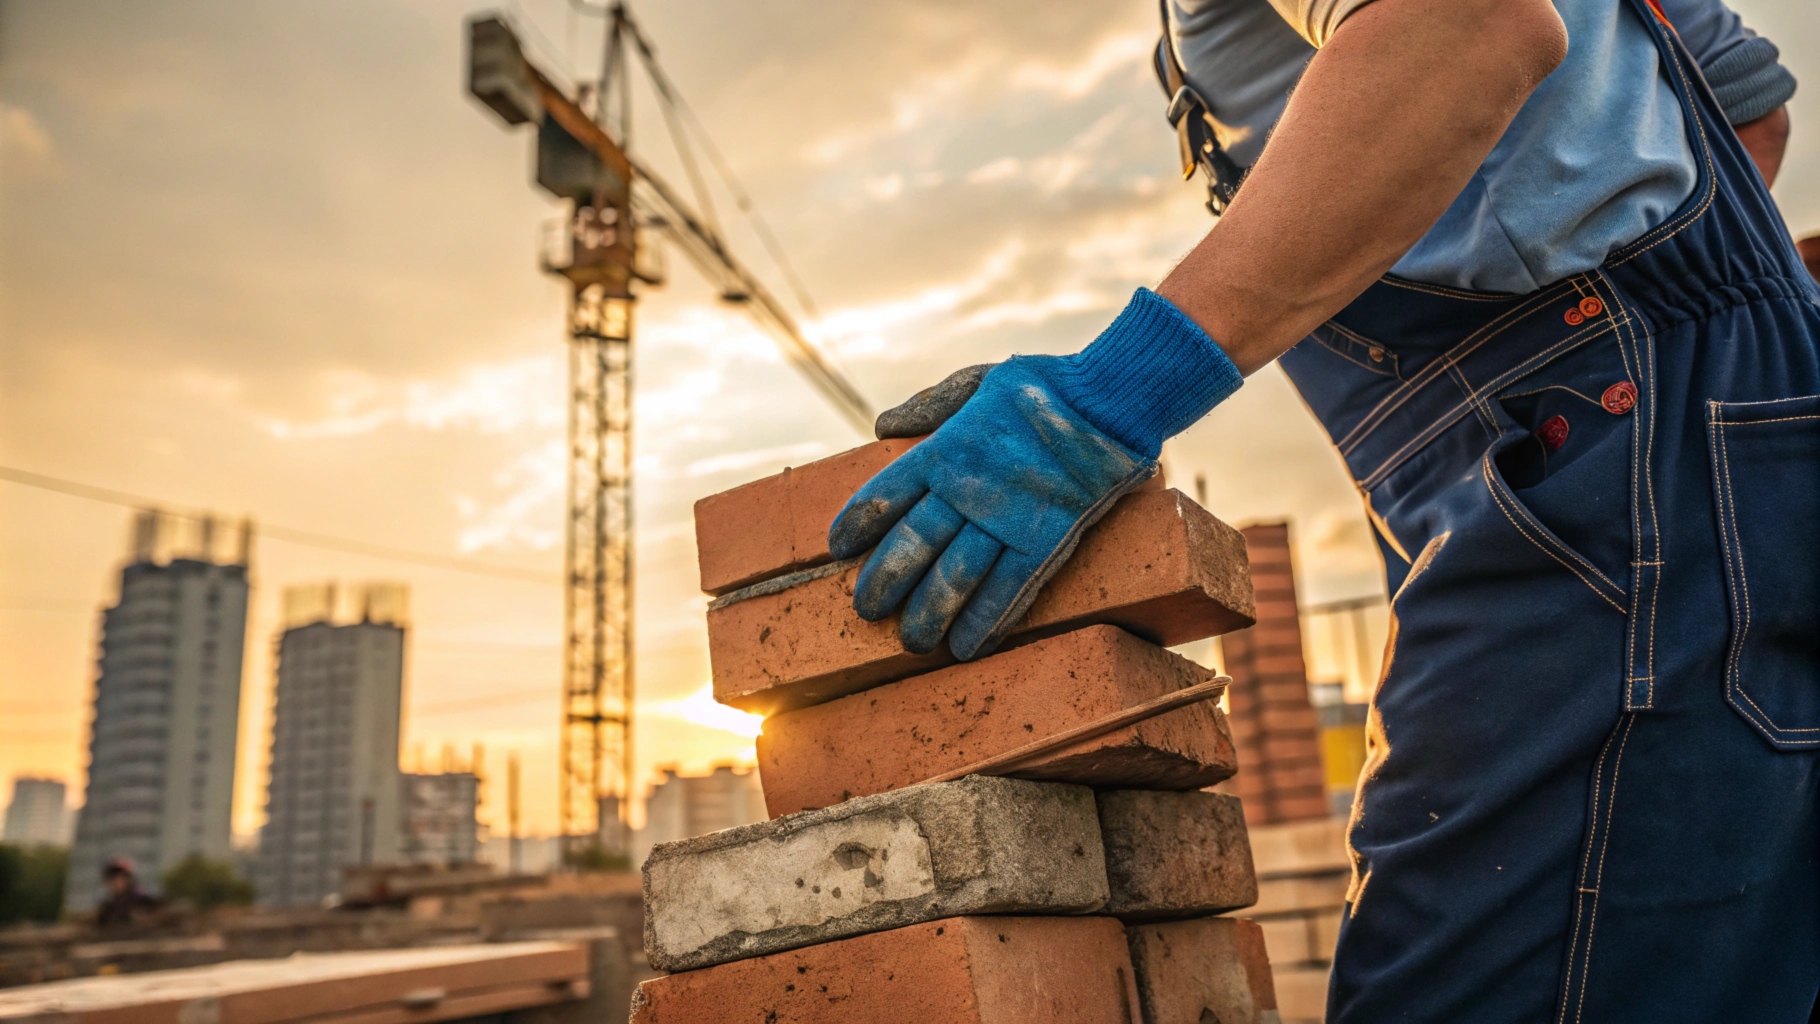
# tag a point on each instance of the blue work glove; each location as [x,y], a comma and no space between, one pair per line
[971,523]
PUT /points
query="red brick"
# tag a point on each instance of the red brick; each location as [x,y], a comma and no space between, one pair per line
[1297,806]
[780,524]
[901,733]
[1291,747]
[1208,969]
[961,970]
[1158,566]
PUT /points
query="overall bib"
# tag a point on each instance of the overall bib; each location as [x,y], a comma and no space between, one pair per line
[1593,786]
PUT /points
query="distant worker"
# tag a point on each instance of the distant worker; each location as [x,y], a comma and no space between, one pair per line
[1521,261]
[126,903]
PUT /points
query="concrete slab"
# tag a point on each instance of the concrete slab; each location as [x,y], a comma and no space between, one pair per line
[975,846]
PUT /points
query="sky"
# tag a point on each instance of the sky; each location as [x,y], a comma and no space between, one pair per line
[271,260]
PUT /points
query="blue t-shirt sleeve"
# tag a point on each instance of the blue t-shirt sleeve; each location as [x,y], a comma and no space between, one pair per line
[1743,68]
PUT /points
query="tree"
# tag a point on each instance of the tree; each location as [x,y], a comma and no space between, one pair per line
[206,884]
[31,882]
[594,858]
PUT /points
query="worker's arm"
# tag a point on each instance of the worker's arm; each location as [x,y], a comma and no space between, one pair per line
[1765,139]
[1391,119]
[1393,116]
[1745,72]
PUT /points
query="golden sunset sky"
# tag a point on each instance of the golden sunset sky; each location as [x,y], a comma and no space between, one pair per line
[269,259]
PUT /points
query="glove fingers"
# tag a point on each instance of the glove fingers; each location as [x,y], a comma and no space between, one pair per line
[904,556]
[946,588]
[1002,600]
[931,407]
[875,508]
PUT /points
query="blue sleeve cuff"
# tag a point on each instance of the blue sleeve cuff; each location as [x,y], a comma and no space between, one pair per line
[1749,81]
[1148,376]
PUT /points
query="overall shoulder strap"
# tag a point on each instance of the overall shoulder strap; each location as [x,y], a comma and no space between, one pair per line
[1196,130]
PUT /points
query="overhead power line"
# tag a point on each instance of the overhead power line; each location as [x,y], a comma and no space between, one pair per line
[287,534]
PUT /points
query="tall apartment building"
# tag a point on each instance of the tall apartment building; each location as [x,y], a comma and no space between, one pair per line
[167,705]
[335,795]
[38,813]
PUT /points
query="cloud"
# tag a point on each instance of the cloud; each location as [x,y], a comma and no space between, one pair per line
[1111,55]
[22,138]
[489,398]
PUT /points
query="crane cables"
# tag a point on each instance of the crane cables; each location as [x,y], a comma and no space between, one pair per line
[700,236]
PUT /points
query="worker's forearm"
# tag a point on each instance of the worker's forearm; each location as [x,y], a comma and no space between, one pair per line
[1765,139]
[1389,123]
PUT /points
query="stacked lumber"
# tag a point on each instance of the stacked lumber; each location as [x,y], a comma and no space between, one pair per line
[1014,839]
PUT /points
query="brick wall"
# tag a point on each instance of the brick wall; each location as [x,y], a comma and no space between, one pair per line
[1273,724]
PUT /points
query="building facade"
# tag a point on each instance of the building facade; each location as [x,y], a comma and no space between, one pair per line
[38,814]
[440,819]
[685,806]
[334,799]
[166,712]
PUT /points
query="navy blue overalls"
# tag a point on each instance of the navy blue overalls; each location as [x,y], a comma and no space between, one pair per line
[1593,787]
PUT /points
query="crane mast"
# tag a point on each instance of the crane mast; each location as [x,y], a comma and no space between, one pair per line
[597,250]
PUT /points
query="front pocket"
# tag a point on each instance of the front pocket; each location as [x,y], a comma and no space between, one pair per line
[1766,485]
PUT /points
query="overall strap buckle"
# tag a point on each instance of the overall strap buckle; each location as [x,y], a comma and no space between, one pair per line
[1197,130]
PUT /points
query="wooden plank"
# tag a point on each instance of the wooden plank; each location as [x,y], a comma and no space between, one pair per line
[330,986]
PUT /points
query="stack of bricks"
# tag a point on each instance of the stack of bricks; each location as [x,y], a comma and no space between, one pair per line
[1303,870]
[1083,886]
[1273,723]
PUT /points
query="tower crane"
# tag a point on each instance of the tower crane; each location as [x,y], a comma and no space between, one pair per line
[602,249]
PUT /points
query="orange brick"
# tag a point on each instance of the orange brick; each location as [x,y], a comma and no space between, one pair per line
[901,733]
[780,524]
[1209,969]
[1158,566]
[961,970]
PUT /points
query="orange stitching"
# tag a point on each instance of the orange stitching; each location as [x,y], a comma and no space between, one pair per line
[1604,845]
[1447,419]
[1546,549]
[1672,228]
[1471,342]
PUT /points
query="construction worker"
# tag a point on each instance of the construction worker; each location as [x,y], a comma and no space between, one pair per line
[1523,269]
[125,902]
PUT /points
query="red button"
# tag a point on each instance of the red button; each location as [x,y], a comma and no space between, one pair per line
[1591,306]
[1553,433]
[1619,398]
[1573,316]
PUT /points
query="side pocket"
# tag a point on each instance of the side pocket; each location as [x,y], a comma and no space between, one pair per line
[1766,489]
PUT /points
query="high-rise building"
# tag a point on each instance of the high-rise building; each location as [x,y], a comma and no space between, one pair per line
[440,826]
[167,705]
[38,813]
[334,799]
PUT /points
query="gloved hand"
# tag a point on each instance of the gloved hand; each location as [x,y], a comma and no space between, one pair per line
[972,522]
